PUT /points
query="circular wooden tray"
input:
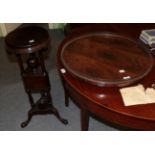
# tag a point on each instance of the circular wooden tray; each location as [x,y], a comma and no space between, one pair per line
[106,59]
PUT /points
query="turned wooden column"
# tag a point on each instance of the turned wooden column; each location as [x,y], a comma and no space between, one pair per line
[29,45]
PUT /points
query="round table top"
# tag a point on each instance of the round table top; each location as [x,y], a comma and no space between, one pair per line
[27,38]
[106,102]
[106,59]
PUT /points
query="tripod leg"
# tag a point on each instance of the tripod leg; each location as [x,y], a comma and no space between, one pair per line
[30,114]
[30,98]
[56,113]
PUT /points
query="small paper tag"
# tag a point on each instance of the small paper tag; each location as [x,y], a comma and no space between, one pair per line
[63,71]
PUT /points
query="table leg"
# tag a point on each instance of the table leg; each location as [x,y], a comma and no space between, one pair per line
[66,98]
[43,105]
[84,119]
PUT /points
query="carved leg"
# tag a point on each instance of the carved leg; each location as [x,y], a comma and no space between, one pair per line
[84,119]
[30,98]
[55,111]
[30,114]
[42,106]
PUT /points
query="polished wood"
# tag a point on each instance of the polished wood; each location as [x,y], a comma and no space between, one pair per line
[106,102]
[29,44]
[129,29]
[106,59]
[26,40]
[84,119]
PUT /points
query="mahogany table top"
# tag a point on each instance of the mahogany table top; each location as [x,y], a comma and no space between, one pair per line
[106,59]
[106,102]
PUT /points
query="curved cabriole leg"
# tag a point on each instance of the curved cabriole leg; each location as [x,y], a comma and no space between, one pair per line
[30,98]
[54,110]
[43,106]
[30,114]
[56,113]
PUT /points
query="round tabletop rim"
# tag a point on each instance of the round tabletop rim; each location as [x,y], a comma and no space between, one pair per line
[120,83]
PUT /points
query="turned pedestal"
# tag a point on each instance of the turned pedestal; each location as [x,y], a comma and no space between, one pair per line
[29,44]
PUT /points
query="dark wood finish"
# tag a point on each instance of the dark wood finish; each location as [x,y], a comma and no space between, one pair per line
[130,29]
[26,40]
[106,59]
[32,42]
[106,102]
[84,119]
